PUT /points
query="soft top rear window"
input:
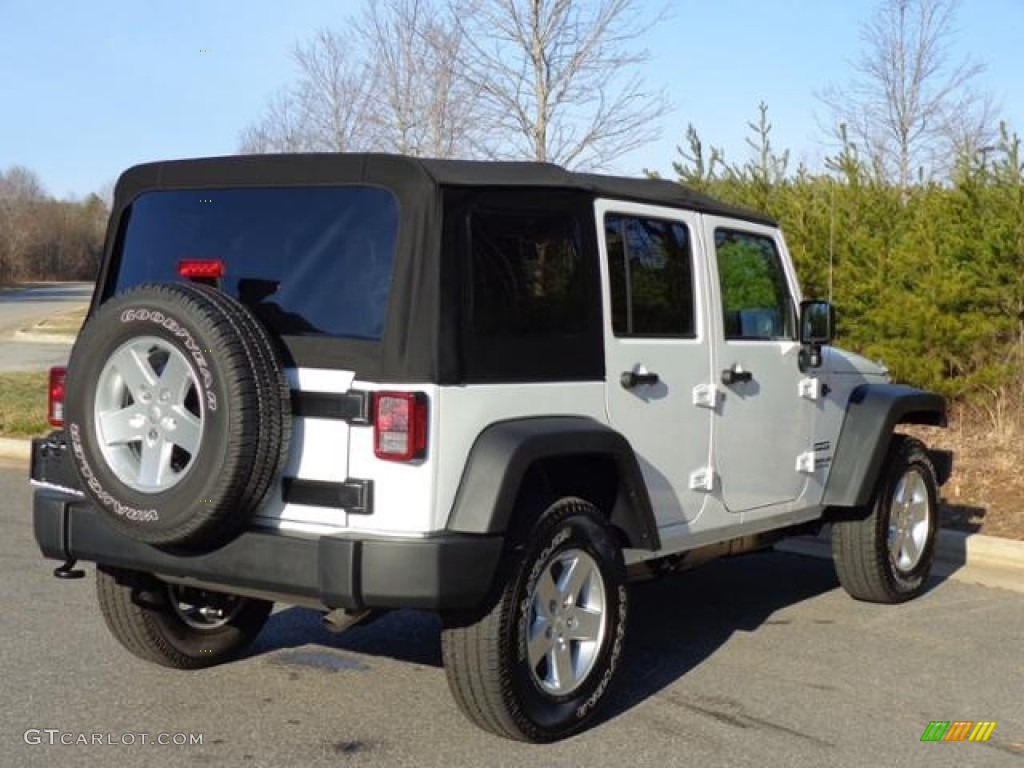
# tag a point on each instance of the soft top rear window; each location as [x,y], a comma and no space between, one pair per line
[306,260]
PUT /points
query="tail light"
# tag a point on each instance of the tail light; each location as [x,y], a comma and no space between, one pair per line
[55,397]
[399,425]
[201,269]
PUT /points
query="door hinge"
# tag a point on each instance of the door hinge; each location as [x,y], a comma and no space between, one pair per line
[702,479]
[809,388]
[705,396]
[805,462]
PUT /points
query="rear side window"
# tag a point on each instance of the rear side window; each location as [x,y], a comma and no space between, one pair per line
[307,260]
[525,274]
[522,286]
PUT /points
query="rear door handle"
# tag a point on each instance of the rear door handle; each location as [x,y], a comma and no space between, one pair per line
[630,379]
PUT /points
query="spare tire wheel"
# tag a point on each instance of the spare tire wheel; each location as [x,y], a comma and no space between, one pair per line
[273,392]
[165,413]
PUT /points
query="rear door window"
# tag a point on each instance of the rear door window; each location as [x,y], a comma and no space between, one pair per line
[306,260]
[651,273]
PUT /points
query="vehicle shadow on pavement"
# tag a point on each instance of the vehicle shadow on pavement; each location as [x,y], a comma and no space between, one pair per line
[676,622]
[411,636]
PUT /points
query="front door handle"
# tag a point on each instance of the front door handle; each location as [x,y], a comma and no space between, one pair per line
[630,379]
[736,375]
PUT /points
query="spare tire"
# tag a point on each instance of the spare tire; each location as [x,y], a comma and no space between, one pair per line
[177,414]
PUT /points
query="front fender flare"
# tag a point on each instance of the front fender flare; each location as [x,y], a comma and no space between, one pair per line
[872,413]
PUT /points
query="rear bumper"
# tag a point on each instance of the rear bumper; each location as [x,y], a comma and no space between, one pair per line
[444,572]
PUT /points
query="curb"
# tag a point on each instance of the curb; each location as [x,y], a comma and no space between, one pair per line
[969,557]
[44,338]
[13,448]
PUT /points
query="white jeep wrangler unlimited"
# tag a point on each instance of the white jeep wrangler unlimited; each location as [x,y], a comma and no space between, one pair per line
[494,390]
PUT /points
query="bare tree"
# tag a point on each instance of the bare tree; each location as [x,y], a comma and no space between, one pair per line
[425,106]
[21,197]
[328,109]
[911,105]
[391,82]
[558,78]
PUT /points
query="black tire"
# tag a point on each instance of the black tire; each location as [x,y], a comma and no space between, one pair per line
[866,565]
[487,659]
[238,396]
[139,613]
[272,389]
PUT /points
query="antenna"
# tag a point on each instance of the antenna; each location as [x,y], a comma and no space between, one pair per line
[831,233]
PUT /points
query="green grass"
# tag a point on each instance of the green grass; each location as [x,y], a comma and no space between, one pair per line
[23,404]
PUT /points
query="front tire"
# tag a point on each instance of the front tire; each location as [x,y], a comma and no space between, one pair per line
[887,556]
[178,627]
[536,666]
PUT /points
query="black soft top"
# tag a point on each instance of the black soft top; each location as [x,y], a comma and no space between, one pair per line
[420,341]
[411,174]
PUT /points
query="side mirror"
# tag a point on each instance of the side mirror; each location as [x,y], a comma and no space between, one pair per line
[817,322]
[817,328]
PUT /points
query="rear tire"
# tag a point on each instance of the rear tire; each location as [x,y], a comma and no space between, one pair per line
[167,624]
[887,556]
[536,665]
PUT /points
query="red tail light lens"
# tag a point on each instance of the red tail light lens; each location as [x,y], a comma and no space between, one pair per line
[201,269]
[55,397]
[399,425]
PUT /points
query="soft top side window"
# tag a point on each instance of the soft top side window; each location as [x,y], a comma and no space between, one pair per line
[525,272]
[528,300]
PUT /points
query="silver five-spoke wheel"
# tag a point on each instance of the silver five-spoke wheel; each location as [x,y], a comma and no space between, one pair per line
[884,552]
[148,414]
[537,662]
[909,520]
[567,622]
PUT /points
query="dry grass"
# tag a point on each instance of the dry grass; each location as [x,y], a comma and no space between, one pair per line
[66,323]
[23,404]
[986,490]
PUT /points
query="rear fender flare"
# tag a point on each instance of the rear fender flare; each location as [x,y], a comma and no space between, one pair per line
[504,452]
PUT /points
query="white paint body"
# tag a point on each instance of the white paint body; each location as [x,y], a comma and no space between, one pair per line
[719,461]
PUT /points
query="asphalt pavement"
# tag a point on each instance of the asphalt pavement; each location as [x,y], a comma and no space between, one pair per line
[755,661]
[22,308]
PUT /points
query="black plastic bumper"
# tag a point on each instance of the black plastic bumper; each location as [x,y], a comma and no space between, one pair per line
[444,572]
[51,461]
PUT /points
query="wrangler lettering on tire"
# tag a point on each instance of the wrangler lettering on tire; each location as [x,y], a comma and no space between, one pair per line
[537,664]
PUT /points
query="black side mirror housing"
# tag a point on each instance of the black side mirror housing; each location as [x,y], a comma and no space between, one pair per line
[817,328]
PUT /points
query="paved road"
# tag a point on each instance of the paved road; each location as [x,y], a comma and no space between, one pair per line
[22,308]
[759,661]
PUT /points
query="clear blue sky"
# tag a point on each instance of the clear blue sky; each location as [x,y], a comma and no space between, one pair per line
[90,87]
